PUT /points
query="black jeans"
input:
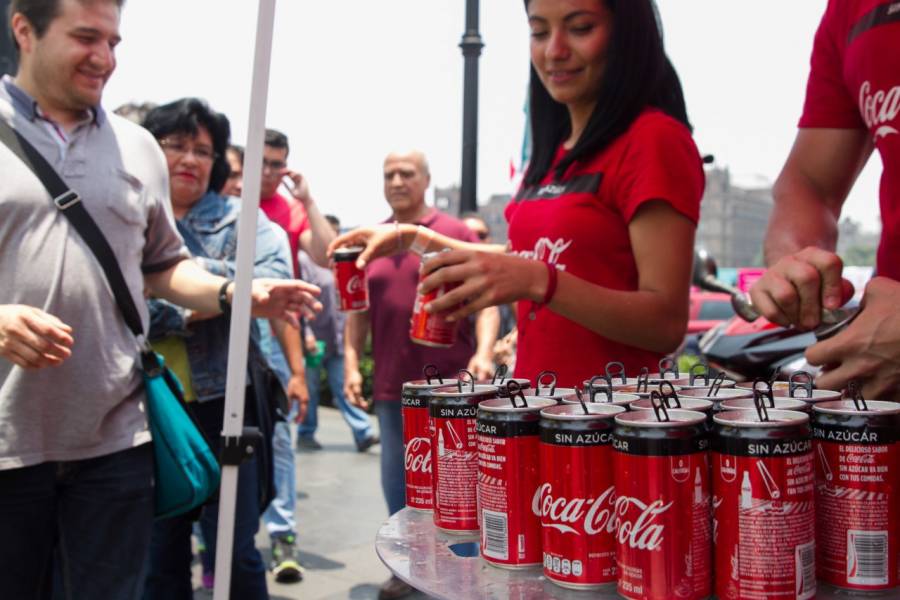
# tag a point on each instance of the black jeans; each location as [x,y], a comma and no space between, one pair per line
[90,520]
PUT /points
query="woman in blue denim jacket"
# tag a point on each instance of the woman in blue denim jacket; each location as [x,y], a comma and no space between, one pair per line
[194,139]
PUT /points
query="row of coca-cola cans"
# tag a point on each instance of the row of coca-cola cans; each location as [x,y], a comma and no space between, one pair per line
[666,502]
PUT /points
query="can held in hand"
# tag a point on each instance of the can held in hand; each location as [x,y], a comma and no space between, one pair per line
[417,438]
[432,329]
[663,534]
[857,477]
[763,517]
[577,498]
[350,281]
[508,479]
[454,454]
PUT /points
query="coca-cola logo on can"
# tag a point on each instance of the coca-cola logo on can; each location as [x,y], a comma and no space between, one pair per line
[418,455]
[355,284]
[645,531]
[590,515]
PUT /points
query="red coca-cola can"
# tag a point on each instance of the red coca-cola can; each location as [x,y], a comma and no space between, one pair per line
[508,478]
[432,329]
[454,454]
[350,281]
[697,404]
[576,499]
[417,438]
[857,479]
[763,505]
[663,533]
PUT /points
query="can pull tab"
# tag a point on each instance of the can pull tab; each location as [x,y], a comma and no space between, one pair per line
[668,365]
[763,389]
[699,371]
[499,374]
[431,373]
[801,380]
[854,391]
[760,403]
[667,392]
[643,380]
[614,370]
[659,406]
[515,391]
[594,389]
[717,384]
[465,377]
[581,400]
[542,387]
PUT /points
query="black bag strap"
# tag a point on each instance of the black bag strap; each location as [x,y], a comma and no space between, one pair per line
[69,204]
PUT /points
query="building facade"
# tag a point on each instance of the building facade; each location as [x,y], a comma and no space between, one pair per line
[733,220]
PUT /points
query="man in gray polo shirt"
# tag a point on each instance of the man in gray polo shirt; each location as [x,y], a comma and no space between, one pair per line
[75,467]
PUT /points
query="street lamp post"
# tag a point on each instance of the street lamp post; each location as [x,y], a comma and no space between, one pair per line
[471,46]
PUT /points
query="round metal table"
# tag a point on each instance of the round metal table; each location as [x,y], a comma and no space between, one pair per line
[448,567]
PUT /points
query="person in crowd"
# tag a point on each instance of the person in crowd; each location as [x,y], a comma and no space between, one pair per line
[601,231]
[327,332]
[298,213]
[307,230]
[852,107]
[134,111]
[281,348]
[195,344]
[392,293]
[234,185]
[76,469]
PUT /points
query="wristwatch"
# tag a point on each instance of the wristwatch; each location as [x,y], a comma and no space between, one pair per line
[224,306]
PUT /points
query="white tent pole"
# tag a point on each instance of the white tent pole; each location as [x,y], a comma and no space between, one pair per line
[240,309]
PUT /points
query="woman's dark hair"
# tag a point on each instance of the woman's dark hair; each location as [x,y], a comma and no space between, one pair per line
[186,116]
[638,74]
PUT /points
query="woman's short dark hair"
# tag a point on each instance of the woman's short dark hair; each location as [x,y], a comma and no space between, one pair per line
[638,74]
[40,13]
[186,116]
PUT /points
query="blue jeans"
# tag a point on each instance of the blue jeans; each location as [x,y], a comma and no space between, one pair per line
[170,550]
[87,520]
[355,417]
[279,516]
[393,475]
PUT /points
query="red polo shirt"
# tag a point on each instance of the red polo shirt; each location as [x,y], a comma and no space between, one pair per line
[854,83]
[291,216]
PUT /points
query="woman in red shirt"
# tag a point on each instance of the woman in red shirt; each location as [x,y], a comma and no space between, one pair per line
[601,232]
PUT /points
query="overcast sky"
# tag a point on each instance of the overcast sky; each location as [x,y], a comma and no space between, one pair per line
[352,80]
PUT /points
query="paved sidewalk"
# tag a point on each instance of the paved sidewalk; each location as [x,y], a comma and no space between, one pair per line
[339,510]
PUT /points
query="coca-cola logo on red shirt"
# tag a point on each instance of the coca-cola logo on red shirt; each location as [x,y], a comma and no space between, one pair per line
[590,515]
[417,455]
[879,108]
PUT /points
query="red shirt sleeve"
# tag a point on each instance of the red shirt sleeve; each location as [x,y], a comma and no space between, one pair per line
[829,103]
[659,162]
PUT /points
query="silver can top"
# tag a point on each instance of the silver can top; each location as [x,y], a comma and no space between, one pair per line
[751,418]
[575,412]
[647,418]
